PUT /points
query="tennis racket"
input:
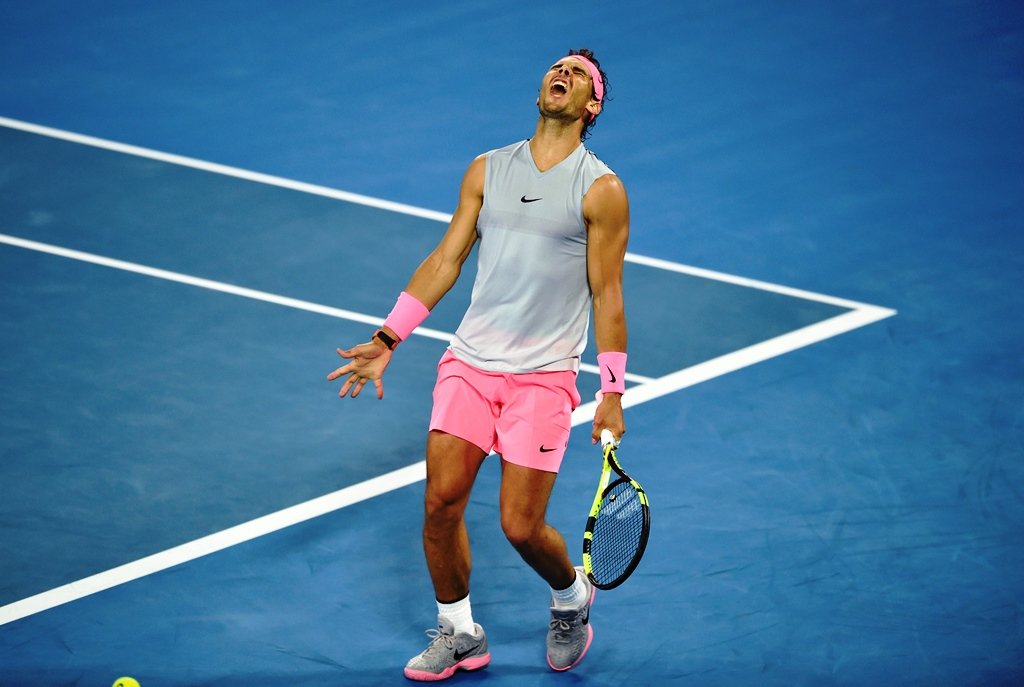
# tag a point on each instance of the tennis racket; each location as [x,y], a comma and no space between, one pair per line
[619,523]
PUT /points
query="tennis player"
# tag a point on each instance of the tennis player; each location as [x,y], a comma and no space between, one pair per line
[552,221]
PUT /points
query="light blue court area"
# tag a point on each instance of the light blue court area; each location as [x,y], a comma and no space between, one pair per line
[138,383]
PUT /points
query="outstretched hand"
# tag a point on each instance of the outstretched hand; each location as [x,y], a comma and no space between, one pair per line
[367,363]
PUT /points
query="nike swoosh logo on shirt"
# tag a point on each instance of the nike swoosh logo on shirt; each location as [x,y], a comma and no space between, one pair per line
[524,199]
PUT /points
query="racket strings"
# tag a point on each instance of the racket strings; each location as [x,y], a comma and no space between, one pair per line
[618,532]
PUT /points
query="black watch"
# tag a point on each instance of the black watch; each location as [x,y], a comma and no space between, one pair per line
[382,336]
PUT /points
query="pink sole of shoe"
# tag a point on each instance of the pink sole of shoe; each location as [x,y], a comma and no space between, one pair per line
[473,663]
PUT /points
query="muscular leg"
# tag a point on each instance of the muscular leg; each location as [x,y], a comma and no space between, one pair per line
[452,467]
[524,502]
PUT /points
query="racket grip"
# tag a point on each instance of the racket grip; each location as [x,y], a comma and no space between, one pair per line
[608,438]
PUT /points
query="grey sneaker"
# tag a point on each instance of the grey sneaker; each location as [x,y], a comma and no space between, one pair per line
[570,632]
[449,652]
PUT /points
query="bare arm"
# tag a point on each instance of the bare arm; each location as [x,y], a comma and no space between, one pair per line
[440,270]
[429,283]
[606,211]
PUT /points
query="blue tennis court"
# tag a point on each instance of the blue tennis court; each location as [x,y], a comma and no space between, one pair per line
[198,204]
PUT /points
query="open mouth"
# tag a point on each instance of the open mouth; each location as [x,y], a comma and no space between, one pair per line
[559,86]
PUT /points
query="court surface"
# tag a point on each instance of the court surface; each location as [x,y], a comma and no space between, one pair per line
[198,204]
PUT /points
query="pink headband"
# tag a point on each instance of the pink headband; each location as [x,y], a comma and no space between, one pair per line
[595,75]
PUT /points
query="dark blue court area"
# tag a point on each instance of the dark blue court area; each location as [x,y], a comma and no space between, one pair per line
[200,201]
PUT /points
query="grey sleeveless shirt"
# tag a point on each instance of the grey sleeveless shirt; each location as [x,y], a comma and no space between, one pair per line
[530,307]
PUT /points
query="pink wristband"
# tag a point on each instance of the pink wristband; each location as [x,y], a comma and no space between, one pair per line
[407,314]
[613,372]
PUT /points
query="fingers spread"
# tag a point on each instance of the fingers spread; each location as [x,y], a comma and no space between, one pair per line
[339,372]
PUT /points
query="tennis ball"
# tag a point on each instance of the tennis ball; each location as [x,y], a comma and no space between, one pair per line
[126,682]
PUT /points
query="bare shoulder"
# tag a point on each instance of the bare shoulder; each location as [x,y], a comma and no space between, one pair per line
[606,197]
[608,184]
[473,181]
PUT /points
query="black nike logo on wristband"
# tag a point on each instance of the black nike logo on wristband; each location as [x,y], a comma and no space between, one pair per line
[611,374]
[543,449]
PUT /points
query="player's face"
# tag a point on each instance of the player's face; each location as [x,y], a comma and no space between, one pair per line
[566,89]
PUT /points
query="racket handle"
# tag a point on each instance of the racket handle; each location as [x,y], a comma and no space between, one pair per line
[608,438]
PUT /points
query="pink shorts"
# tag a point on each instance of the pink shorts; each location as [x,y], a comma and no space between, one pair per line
[526,418]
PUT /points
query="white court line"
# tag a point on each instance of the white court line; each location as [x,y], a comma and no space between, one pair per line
[859,316]
[224,170]
[743,281]
[744,357]
[207,284]
[213,543]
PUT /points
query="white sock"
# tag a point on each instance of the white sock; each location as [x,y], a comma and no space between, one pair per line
[574,596]
[460,613]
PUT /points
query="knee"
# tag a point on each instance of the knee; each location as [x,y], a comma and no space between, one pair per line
[519,531]
[443,506]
